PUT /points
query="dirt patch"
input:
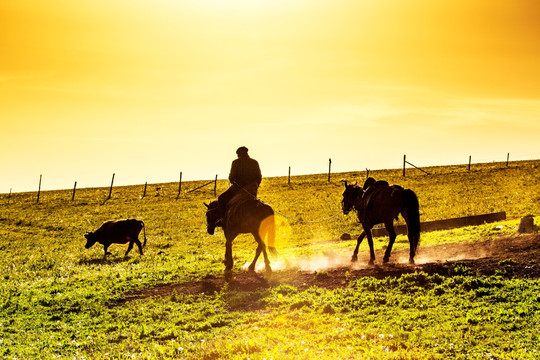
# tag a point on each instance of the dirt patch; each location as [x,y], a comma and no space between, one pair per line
[511,257]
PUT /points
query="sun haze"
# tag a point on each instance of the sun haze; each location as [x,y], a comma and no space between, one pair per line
[146,89]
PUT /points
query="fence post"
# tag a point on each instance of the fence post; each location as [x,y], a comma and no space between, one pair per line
[39,188]
[144,192]
[289,181]
[404,161]
[110,190]
[329,168]
[73,195]
[215,186]
[179,186]
[507,158]
[469,162]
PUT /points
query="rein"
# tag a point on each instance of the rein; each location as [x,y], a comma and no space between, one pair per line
[297,221]
[308,222]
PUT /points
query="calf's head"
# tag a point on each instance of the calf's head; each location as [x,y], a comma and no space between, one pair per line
[90,239]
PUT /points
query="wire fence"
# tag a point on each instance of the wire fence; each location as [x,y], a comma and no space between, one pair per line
[185,188]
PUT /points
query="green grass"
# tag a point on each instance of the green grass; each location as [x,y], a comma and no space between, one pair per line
[56,296]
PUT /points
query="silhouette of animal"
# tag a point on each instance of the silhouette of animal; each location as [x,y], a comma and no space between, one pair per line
[376,203]
[244,215]
[117,232]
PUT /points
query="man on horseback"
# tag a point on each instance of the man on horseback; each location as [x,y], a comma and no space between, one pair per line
[245,176]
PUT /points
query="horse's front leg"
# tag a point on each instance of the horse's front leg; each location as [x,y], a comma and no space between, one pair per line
[371,249]
[228,253]
[392,233]
[358,242]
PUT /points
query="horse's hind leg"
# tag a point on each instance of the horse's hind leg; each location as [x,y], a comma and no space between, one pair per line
[371,250]
[266,260]
[390,228]
[358,242]
[261,247]
[412,241]
[228,255]
[257,253]
[412,248]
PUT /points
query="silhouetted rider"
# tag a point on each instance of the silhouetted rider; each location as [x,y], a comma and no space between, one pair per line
[245,176]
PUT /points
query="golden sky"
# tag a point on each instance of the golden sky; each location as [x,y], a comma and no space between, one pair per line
[147,89]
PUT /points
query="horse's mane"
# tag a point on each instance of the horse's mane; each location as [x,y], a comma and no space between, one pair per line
[354,190]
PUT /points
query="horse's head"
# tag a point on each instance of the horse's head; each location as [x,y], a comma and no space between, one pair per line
[212,216]
[350,195]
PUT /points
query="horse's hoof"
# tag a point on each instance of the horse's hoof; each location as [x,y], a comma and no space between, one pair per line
[354,259]
[411,261]
[268,269]
[385,260]
[371,262]
[251,268]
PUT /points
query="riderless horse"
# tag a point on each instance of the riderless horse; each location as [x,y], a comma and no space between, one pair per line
[378,202]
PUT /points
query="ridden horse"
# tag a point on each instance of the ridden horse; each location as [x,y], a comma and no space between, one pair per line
[244,215]
[377,202]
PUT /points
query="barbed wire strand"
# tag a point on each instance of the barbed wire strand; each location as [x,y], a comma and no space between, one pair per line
[298,221]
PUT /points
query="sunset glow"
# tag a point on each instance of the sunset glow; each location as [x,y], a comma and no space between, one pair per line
[146,89]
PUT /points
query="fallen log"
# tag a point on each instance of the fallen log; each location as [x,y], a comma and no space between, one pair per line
[446,224]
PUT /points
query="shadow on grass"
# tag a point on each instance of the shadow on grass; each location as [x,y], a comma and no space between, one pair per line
[104,261]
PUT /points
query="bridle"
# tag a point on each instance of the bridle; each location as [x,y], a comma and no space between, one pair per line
[351,198]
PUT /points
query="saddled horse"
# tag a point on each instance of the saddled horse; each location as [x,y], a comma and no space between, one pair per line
[378,202]
[244,215]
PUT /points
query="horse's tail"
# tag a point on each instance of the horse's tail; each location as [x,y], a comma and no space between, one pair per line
[412,207]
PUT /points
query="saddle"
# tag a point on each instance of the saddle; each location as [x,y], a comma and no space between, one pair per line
[238,201]
[371,188]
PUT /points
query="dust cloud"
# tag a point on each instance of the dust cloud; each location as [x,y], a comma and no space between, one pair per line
[329,260]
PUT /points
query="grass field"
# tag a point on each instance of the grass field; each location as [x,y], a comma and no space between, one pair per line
[60,300]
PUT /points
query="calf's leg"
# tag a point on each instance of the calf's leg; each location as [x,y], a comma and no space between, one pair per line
[139,245]
[131,241]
